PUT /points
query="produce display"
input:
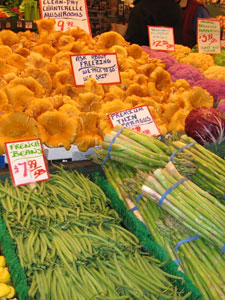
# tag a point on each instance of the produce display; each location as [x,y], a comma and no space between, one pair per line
[9,11]
[211,1]
[199,259]
[216,72]
[71,244]
[206,125]
[67,238]
[7,291]
[219,58]
[222,20]
[38,94]
[198,212]
[201,61]
[147,153]
[221,106]
[183,211]
[191,70]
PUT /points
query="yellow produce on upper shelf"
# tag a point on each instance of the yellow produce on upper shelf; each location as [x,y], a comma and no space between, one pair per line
[201,61]
[215,72]
[180,52]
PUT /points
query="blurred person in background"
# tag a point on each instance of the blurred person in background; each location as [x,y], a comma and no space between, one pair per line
[153,13]
[192,10]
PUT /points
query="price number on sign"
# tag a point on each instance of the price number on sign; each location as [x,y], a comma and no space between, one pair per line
[65,25]
[138,129]
[29,167]
[207,38]
[163,43]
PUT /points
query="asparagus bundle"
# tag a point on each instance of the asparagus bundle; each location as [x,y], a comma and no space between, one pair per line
[127,183]
[204,265]
[200,212]
[210,172]
[200,260]
[147,153]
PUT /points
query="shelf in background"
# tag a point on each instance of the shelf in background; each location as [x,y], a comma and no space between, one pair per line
[17,25]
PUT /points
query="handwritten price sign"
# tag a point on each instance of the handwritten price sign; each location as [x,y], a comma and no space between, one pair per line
[208,36]
[64,25]
[67,13]
[163,44]
[161,38]
[26,162]
[102,67]
[138,118]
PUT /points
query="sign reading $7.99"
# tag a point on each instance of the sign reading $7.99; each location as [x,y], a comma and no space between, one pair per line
[26,162]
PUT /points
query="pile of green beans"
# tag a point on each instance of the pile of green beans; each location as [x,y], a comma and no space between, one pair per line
[72,246]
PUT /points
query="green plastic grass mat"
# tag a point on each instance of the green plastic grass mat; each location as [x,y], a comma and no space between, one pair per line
[17,273]
[147,240]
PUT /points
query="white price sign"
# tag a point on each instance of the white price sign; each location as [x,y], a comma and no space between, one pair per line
[67,14]
[137,118]
[102,67]
[26,162]
[208,36]
[161,38]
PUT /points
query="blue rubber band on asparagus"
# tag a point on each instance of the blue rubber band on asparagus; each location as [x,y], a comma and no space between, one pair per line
[167,192]
[223,249]
[110,146]
[187,240]
[177,261]
[181,149]
[133,209]
[139,197]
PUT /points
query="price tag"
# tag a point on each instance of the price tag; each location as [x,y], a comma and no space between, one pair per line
[137,118]
[19,24]
[102,67]
[28,25]
[26,162]
[8,25]
[208,36]
[161,38]
[67,14]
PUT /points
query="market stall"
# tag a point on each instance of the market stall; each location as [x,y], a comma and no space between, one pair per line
[124,215]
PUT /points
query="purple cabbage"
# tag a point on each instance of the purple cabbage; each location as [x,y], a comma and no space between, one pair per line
[206,125]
